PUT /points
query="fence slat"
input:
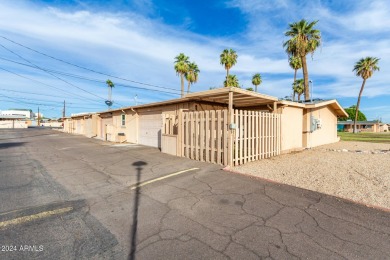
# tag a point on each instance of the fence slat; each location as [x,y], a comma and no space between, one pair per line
[241,137]
[213,132]
[204,135]
[207,146]
[225,137]
[257,136]
[236,144]
[245,136]
[201,135]
[191,135]
[219,137]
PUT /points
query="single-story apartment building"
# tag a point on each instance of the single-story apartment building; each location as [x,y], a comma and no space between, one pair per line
[363,126]
[13,121]
[227,126]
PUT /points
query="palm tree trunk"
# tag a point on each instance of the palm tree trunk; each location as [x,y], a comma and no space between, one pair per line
[256,88]
[305,77]
[189,86]
[182,84]
[227,76]
[299,97]
[295,75]
[357,106]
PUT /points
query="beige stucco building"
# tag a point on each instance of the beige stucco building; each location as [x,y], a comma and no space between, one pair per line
[364,126]
[238,125]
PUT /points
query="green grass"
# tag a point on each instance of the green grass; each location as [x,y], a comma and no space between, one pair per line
[366,137]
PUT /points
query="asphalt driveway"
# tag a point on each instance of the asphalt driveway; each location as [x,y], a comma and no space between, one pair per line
[70,197]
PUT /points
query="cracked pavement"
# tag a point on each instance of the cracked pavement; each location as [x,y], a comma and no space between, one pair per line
[202,214]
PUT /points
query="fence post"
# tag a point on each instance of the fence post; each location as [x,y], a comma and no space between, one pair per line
[180,133]
[230,131]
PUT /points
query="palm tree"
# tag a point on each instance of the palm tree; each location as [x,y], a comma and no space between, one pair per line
[228,59]
[298,88]
[181,68]
[110,85]
[364,68]
[192,74]
[256,80]
[296,64]
[304,39]
[231,81]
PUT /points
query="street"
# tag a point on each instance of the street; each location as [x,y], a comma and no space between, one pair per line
[69,197]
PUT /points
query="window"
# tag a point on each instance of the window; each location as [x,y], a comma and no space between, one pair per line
[123,120]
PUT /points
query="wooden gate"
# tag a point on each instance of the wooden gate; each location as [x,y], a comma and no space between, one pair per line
[169,134]
[257,136]
[204,136]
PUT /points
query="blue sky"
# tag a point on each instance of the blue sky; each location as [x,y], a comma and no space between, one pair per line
[138,40]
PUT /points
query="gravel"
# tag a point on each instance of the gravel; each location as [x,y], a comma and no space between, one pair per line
[357,171]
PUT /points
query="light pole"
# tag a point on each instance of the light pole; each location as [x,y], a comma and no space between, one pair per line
[311,90]
[136,99]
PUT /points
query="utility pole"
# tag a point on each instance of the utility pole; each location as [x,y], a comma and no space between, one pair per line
[63,112]
[38,117]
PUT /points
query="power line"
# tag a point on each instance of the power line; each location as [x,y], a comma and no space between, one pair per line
[18,101]
[80,97]
[32,93]
[81,67]
[51,73]
[39,94]
[26,102]
[40,82]
[89,79]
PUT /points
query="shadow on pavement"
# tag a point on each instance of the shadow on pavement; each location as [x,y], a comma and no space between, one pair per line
[9,145]
[138,165]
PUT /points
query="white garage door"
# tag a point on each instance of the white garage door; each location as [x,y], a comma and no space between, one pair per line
[150,129]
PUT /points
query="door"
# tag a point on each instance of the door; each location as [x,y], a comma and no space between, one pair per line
[105,122]
[150,125]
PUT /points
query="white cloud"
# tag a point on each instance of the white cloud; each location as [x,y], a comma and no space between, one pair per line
[132,46]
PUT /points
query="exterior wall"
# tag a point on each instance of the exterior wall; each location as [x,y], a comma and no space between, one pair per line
[78,125]
[68,125]
[130,130]
[106,128]
[374,128]
[326,134]
[291,132]
[52,124]
[384,128]
[13,124]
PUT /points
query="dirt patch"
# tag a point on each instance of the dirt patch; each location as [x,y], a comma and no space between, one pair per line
[352,170]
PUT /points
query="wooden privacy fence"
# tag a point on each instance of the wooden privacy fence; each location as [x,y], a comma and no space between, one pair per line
[169,142]
[257,136]
[204,136]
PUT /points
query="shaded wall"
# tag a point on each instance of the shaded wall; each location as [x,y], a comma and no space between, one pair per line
[291,132]
[326,134]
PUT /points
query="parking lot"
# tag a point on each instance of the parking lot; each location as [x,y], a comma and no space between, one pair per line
[70,197]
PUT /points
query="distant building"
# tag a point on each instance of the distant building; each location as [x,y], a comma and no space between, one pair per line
[362,126]
[13,121]
[26,113]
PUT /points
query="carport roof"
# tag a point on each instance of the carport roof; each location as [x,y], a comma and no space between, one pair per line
[241,97]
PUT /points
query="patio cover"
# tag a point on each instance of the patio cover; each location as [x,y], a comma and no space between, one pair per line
[241,97]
